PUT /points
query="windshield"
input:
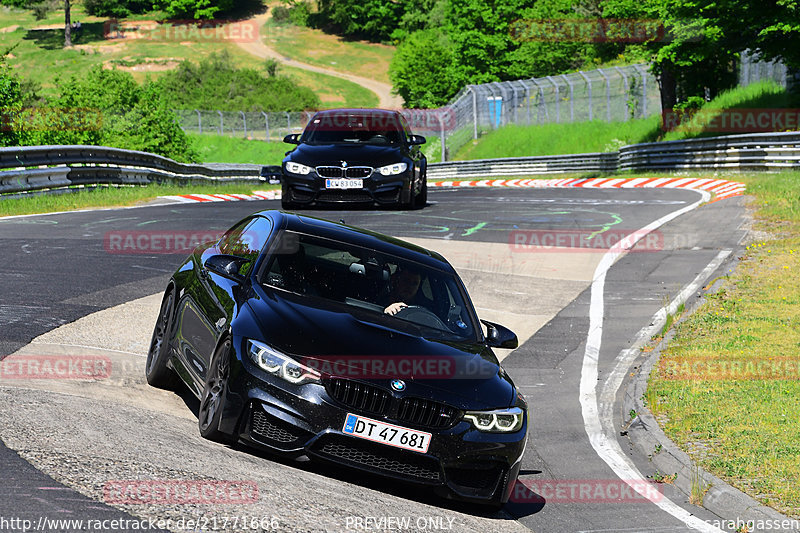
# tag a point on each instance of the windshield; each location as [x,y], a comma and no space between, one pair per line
[363,128]
[386,286]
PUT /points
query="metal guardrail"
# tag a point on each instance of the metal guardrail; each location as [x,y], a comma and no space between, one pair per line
[756,151]
[35,168]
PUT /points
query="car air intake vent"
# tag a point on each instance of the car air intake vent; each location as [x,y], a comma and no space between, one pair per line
[358,172]
[426,413]
[357,395]
[330,172]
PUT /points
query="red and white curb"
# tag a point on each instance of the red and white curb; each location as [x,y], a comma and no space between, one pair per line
[194,198]
[720,188]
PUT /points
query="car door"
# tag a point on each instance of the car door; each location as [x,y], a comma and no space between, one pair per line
[212,300]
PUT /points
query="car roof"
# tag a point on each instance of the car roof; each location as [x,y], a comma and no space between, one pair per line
[357,111]
[358,236]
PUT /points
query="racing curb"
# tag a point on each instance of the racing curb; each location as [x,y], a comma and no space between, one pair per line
[646,436]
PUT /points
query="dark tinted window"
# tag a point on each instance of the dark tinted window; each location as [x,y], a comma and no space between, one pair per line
[367,127]
[246,240]
[370,281]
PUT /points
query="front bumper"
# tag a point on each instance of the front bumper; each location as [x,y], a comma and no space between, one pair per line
[377,189]
[461,463]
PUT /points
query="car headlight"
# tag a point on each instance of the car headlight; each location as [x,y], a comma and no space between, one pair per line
[392,170]
[280,365]
[297,168]
[497,421]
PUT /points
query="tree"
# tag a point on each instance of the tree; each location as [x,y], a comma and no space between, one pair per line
[67,25]
[424,70]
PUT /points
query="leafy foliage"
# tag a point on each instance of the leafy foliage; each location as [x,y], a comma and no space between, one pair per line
[215,83]
[10,103]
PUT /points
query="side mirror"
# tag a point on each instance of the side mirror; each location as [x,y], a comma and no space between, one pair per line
[292,138]
[226,265]
[498,336]
[416,139]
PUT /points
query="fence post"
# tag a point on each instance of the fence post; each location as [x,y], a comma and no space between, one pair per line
[288,123]
[474,112]
[199,121]
[244,123]
[266,125]
[644,89]
[441,132]
[589,88]
[221,123]
[608,94]
[627,115]
[571,98]
[558,98]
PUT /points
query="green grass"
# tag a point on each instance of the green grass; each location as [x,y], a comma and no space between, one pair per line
[600,136]
[314,47]
[552,139]
[113,197]
[224,149]
[739,424]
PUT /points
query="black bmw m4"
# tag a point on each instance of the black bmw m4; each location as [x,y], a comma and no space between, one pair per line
[363,156]
[309,338]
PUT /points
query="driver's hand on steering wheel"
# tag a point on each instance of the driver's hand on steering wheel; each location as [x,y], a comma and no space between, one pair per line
[395,308]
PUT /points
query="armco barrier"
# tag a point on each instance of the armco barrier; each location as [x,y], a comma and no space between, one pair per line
[756,151]
[32,168]
[49,167]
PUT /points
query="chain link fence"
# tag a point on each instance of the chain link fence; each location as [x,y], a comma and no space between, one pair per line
[608,94]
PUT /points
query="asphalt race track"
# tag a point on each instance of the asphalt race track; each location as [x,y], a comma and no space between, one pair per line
[60,268]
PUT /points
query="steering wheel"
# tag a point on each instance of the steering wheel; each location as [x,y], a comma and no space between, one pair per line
[421,315]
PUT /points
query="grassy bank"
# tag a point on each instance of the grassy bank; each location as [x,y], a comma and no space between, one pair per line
[113,197]
[601,136]
[727,388]
[226,149]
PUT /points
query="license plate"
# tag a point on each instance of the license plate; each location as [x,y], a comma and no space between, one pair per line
[344,184]
[376,431]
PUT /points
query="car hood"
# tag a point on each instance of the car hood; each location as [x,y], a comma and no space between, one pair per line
[353,154]
[357,344]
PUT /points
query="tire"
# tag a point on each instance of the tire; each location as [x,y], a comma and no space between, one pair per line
[421,200]
[156,370]
[286,199]
[213,398]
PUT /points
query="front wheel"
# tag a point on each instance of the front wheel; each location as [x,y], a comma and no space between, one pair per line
[286,199]
[213,397]
[156,370]
[421,200]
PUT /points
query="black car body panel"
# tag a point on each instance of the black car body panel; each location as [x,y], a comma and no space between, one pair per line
[307,419]
[355,155]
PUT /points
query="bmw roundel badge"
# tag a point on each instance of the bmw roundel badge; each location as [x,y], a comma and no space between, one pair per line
[398,384]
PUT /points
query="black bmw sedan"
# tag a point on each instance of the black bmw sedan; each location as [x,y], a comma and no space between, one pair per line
[355,155]
[319,340]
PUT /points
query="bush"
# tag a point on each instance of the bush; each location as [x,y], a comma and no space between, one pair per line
[423,70]
[215,83]
[106,107]
[10,103]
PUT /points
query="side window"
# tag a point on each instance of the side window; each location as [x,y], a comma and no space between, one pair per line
[246,240]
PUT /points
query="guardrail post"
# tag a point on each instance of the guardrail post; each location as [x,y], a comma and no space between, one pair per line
[244,123]
[221,123]
[199,121]
[266,125]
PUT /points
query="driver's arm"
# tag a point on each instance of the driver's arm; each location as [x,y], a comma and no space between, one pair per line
[395,308]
